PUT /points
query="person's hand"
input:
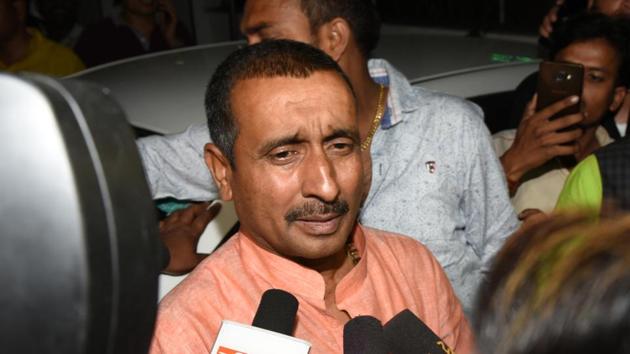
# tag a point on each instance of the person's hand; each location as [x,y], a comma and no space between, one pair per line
[532,216]
[180,233]
[169,22]
[538,139]
[546,27]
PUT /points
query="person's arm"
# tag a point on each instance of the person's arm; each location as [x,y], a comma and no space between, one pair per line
[539,139]
[583,187]
[546,27]
[490,217]
[180,233]
[175,167]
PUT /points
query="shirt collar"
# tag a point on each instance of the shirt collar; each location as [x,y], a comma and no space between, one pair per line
[401,98]
[287,275]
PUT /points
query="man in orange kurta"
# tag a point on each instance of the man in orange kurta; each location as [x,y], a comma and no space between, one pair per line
[288,153]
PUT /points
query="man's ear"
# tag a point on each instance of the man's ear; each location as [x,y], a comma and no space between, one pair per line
[333,37]
[618,96]
[221,170]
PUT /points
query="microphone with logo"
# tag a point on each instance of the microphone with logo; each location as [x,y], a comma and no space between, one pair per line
[405,333]
[364,335]
[270,332]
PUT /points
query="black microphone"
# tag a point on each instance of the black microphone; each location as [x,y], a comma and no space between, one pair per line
[270,331]
[276,312]
[364,335]
[405,333]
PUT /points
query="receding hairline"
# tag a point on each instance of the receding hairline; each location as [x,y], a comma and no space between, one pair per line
[240,81]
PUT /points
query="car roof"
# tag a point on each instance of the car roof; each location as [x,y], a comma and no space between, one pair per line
[164,92]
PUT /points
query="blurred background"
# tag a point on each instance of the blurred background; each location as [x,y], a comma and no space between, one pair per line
[212,21]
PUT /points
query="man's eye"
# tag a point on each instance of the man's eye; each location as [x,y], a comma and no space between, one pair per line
[282,156]
[342,147]
[595,78]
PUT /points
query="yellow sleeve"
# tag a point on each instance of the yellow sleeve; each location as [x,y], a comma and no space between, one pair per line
[583,187]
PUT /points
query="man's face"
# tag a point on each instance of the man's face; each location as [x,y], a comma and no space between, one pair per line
[296,183]
[601,67]
[275,19]
[612,7]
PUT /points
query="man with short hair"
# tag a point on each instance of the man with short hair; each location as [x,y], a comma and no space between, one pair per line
[615,124]
[531,153]
[434,175]
[289,157]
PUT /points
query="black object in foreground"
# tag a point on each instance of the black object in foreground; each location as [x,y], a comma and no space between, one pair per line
[276,312]
[364,335]
[405,333]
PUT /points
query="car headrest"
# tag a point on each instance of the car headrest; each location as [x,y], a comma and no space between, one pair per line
[79,246]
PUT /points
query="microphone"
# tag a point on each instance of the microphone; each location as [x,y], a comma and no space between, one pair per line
[276,312]
[270,332]
[406,333]
[364,335]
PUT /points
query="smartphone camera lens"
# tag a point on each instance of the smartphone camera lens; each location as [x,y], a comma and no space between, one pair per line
[562,76]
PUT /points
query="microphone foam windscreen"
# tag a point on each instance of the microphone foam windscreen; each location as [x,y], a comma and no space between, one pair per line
[364,335]
[276,312]
[406,333]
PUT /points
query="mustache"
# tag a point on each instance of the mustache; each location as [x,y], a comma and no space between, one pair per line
[317,208]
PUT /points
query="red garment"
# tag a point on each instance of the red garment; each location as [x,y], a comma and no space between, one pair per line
[395,273]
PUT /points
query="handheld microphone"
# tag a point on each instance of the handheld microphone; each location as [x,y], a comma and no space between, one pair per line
[405,333]
[270,332]
[276,312]
[364,335]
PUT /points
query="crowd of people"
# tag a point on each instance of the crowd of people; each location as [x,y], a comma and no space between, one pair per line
[330,157]
[44,36]
[363,195]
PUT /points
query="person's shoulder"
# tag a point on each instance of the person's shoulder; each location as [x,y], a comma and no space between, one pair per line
[402,255]
[446,112]
[398,244]
[60,60]
[205,278]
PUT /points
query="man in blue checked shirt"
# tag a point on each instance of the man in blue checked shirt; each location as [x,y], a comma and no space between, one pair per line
[434,175]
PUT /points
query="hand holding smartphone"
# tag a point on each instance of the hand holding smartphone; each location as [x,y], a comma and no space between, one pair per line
[556,82]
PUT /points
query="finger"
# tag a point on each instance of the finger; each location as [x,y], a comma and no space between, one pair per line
[562,137]
[530,108]
[560,123]
[558,106]
[189,214]
[527,212]
[172,218]
[203,219]
[562,150]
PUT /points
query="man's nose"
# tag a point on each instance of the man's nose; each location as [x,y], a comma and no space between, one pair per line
[319,178]
[253,39]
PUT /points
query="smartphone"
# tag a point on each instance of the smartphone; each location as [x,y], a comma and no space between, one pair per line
[557,81]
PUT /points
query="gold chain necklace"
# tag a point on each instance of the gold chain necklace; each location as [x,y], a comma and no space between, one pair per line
[380,111]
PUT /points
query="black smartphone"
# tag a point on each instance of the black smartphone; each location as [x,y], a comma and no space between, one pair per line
[557,81]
